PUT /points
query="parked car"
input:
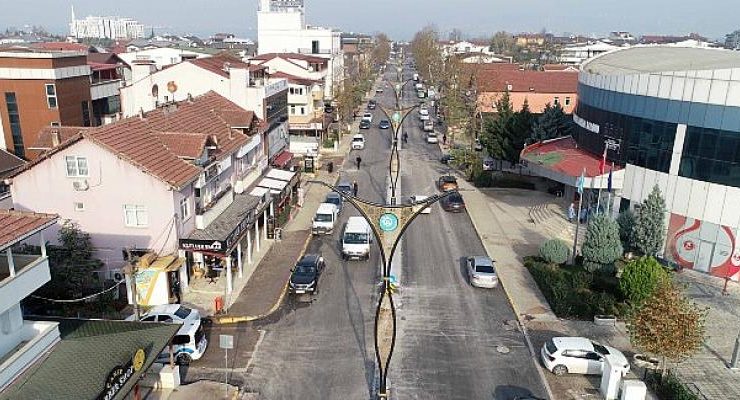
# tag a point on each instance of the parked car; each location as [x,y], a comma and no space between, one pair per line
[364,124]
[423,114]
[379,89]
[446,183]
[304,277]
[481,272]
[579,355]
[367,117]
[371,105]
[384,124]
[358,142]
[488,164]
[453,203]
[432,138]
[418,197]
[478,146]
[336,199]
[169,313]
[447,159]
[344,187]
[328,109]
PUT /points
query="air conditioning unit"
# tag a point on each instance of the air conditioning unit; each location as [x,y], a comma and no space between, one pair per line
[116,275]
[80,185]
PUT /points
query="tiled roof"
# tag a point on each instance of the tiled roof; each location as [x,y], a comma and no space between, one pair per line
[18,225]
[63,46]
[221,63]
[294,79]
[293,56]
[497,80]
[44,140]
[137,140]
[184,145]
[559,67]
[8,163]
[236,118]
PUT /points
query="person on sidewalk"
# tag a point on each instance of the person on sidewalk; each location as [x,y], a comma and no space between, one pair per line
[354,188]
[405,137]
[358,160]
[571,212]
[444,138]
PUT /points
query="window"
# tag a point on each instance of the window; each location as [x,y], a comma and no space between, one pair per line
[51,95]
[79,206]
[15,124]
[76,166]
[292,110]
[557,100]
[303,110]
[315,46]
[291,90]
[184,209]
[567,101]
[85,113]
[55,123]
[135,216]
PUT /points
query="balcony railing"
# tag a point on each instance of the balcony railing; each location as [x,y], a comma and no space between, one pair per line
[200,209]
[105,88]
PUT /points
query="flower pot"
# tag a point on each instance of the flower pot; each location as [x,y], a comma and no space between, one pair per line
[604,320]
[645,361]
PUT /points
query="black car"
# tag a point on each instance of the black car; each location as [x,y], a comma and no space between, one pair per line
[336,199]
[304,277]
[453,203]
[328,109]
[345,187]
[447,159]
[364,124]
[371,105]
[384,124]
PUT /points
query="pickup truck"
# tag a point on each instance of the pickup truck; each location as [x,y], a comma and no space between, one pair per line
[304,277]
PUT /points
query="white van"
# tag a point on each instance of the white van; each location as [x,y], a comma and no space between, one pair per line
[323,221]
[429,126]
[423,114]
[189,344]
[356,239]
[416,77]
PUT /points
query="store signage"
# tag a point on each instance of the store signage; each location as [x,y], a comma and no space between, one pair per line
[244,224]
[121,374]
[587,125]
[213,246]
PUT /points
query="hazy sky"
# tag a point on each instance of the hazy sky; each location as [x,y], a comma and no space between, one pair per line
[399,18]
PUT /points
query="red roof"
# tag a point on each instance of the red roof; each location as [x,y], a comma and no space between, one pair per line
[61,46]
[282,159]
[221,63]
[44,141]
[18,225]
[294,79]
[500,80]
[559,67]
[564,156]
[183,144]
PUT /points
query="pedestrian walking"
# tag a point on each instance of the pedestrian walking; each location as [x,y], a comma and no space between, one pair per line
[571,212]
[176,290]
[354,188]
[405,137]
[444,138]
[358,160]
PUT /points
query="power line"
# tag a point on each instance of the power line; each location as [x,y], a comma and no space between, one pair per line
[80,299]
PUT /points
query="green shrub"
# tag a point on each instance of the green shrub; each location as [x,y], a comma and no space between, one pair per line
[504,182]
[603,303]
[608,283]
[640,278]
[328,143]
[555,251]
[668,386]
[601,246]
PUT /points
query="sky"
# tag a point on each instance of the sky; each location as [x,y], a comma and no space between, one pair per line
[398,18]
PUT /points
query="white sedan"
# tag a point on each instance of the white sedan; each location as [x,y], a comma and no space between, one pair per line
[358,142]
[418,197]
[432,137]
[580,355]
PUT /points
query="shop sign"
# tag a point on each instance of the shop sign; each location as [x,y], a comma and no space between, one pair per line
[244,224]
[587,125]
[213,246]
[121,374]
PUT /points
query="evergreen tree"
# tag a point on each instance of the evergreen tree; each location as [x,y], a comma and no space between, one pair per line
[521,125]
[626,221]
[552,123]
[497,136]
[650,224]
[71,263]
[601,246]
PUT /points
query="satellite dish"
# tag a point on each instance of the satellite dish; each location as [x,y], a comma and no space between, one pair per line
[171,86]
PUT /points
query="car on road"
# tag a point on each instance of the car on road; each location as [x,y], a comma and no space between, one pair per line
[379,90]
[418,197]
[328,109]
[432,138]
[345,187]
[364,124]
[447,159]
[367,117]
[336,199]
[384,124]
[371,105]
[428,126]
[169,313]
[423,114]
[481,272]
[446,183]
[453,203]
[579,355]
[304,277]
[358,142]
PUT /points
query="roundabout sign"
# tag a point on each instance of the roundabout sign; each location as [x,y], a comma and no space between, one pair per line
[388,222]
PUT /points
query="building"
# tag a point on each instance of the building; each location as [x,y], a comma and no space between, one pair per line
[575,55]
[9,163]
[450,48]
[281,28]
[533,39]
[152,182]
[356,48]
[105,28]
[732,40]
[671,117]
[160,56]
[538,88]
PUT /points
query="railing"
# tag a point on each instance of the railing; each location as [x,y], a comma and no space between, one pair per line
[203,209]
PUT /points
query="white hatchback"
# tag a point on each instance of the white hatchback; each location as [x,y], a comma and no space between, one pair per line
[432,137]
[579,355]
[358,142]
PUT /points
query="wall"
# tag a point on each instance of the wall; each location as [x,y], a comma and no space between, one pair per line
[113,183]
[537,101]
[162,57]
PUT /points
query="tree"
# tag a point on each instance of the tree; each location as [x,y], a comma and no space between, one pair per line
[640,278]
[650,223]
[71,263]
[668,325]
[502,43]
[522,124]
[555,251]
[381,49]
[552,123]
[626,222]
[497,135]
[601,246]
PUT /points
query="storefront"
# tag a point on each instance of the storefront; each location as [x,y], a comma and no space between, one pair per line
[158,280]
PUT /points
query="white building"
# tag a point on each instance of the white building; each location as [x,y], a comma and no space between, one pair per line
[105,27]
[577,54]
[22,342]
[161,56]
[281,28]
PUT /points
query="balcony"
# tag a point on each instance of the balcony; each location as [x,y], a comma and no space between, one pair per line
[21,275]
[205,214]
[105,88]
[32,340]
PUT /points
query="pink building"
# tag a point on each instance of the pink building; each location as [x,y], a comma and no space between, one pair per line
[537,87]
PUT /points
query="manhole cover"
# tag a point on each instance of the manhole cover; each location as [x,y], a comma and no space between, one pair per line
[502,349]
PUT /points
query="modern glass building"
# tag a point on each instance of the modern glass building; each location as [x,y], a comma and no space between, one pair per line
[671,117]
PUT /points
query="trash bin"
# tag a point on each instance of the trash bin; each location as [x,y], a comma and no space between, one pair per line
[218,305]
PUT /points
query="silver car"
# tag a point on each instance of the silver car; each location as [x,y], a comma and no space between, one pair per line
[481,272]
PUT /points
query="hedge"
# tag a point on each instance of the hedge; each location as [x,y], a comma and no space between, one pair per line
[668,387]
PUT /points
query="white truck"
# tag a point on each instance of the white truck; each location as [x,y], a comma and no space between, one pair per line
[356,239]
[325,218]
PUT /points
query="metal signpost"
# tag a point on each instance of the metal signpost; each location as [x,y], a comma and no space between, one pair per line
[226,342]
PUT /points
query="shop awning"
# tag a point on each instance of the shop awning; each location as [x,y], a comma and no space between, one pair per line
[259,191]
[280,174]
[273,184]
[282,159]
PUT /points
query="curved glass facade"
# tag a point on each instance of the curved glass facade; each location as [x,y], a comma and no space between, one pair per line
[711,155]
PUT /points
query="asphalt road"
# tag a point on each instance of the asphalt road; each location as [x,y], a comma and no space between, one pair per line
[453,341]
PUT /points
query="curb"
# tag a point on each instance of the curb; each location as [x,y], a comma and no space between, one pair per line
[522,326]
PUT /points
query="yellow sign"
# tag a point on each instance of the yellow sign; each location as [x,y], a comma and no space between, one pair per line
[139,358]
